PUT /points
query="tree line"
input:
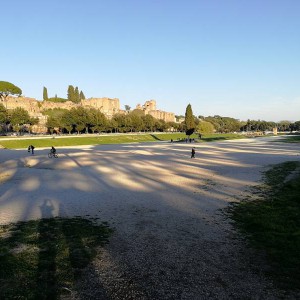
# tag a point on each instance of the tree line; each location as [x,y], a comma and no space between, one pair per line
[226,124]
[17,120]
[222,124]
[73,95]
[91,120]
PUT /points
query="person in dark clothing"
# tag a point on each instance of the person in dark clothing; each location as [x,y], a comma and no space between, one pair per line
[53,150]
[193,152]
[31,148]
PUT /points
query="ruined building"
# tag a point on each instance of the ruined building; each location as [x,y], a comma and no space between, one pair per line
[109,107]
[150,108]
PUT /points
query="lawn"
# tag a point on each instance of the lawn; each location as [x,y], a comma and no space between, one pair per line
[20,142]
[271,221]
[292,139]
[75,141]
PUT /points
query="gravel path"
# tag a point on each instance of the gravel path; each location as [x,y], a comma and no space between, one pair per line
[171,239]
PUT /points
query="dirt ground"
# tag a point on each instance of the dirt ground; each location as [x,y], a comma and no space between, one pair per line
[172,239]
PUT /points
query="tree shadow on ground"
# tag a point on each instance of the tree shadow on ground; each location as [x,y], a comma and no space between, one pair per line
[42,259]
[155,137]
[211,139]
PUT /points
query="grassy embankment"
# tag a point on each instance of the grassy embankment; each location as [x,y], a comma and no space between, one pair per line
[42,259]
[271,221]
[292,139]
[20,142]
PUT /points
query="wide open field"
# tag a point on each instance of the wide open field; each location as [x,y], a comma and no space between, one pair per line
[171,239]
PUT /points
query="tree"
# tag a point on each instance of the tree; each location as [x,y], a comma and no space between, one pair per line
[45,94]
[81,95]
[120,121]
[205,127]
[226,124]
[3,114]
[128,123]
[149,122]
[112,125]
[179,118]
[160,125]
[55,118]
[19,117]
[173,126]
[52,122]
[136,122]
[76,95]
[33,121]
[297,125]
[97,120]
[7,88]
[137,112]
[284,125]
[71,93]
[81,118]
[189,121]
[127,108]
[68,121]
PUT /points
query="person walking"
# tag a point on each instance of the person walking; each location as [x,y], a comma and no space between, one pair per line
[193,152]
[31,148]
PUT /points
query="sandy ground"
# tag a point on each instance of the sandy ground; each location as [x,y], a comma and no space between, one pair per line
[171,239]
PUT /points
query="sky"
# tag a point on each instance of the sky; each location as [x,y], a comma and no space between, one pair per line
[234,58]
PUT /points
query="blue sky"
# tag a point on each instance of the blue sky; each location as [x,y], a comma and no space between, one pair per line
[235,58]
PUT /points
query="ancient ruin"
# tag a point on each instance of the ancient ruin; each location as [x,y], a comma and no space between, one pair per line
[150,108]
[108,106]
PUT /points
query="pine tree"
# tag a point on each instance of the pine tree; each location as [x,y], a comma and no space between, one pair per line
[45,94]
[189,121]
[81,95]
[71,93]
[76,95]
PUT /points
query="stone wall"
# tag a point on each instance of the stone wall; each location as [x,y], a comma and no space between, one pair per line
[150,105]
[107,106]
[44,105]
[29,104]
[150,108]
[162,115]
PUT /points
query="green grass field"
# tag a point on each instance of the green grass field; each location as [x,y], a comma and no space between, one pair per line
[292,139]
[19,142]
[271,222]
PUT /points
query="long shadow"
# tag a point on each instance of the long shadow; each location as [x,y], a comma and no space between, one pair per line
[214,139]
[155,137]
[80,255]
[48,230]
